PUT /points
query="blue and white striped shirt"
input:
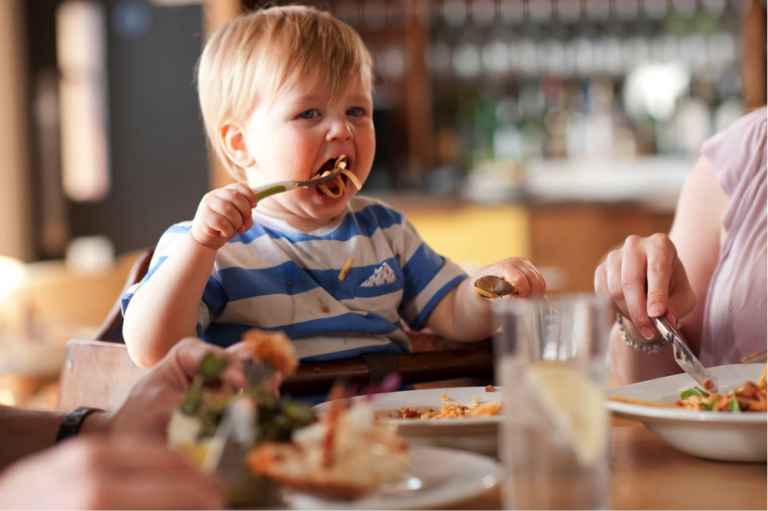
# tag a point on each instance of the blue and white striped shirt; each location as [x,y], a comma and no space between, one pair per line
[277,278]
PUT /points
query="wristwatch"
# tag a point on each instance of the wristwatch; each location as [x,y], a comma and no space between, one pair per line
[70,426]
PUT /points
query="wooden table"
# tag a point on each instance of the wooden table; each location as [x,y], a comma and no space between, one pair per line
[646,473]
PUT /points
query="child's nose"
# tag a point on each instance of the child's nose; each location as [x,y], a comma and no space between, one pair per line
[340,131]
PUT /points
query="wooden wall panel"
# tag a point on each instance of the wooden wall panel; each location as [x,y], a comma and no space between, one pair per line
[575,237]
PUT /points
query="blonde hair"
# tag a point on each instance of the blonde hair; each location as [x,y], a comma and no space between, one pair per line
[260,55]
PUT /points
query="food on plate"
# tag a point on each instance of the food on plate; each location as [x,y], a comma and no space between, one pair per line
[194,423]
[490,388]
[343,456]
[272,347]
[450,410]
[754,357]
[637,401]
[338,182]
[345,269]
[445,397]
[492,286]
[749,397]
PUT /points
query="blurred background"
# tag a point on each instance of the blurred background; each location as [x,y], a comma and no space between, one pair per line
[546,129]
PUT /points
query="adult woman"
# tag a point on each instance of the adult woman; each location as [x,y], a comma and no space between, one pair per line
[709,273]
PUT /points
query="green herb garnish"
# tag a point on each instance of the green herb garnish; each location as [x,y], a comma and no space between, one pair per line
[694,391]
[212,366]
[733,405]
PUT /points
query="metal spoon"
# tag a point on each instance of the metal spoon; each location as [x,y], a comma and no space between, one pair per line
[492,286]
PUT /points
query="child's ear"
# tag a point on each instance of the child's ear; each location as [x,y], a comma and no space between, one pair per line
[233,141]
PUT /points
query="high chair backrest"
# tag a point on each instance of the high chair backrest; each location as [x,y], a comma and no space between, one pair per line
[111,329]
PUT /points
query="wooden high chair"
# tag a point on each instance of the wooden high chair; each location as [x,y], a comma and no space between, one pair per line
[99,373]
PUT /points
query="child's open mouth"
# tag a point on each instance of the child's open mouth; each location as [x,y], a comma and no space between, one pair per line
[335,188]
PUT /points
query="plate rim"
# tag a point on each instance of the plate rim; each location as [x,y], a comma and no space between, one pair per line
[640,412]
[447,423]
[460,492]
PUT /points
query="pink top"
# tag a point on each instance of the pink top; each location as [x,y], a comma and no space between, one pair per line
[735,309]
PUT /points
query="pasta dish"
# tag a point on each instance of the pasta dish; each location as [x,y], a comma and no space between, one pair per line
[749,397]
[452,410]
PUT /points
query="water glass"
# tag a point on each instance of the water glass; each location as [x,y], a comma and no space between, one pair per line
[552,365]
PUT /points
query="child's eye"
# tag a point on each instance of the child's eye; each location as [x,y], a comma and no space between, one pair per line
[356,111]
[308,114]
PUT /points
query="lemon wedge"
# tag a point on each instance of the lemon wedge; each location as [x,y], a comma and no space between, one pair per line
[575,403]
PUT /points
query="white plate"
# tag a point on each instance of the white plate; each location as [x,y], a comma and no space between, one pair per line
[475,434]
[712,435]
[435,479]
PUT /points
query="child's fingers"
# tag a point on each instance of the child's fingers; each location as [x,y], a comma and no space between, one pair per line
[538,284]
[227,210]
[247,225]
[518,279]
[238,200]
[221,224]
[246,192]
[531,277]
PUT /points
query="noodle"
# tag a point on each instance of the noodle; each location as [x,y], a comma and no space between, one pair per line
[341,165]
[345,269]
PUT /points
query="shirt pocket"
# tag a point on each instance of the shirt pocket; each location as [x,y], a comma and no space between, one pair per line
[383,300]
[380,290]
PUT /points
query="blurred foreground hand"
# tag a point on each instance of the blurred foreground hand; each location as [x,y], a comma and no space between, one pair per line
[107,473]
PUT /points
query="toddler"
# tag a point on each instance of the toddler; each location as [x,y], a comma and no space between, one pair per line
[284,93]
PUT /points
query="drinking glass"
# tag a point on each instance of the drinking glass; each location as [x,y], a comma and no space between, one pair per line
[552,365]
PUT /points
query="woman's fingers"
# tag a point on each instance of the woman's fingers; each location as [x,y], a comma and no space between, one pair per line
[613,281]
[661,256]
[682,299]
[633,277]
[644,280]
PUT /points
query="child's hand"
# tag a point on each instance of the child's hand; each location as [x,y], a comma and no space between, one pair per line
[520,273]
[223,214]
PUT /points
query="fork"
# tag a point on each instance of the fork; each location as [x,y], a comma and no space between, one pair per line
[265,191]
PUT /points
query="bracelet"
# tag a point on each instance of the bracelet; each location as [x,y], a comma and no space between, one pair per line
[649,348]
[70,426]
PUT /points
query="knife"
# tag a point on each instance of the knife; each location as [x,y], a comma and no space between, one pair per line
[684,357]
[233,440]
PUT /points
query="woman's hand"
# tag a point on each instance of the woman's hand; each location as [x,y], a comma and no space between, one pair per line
[223,214]
[623,276]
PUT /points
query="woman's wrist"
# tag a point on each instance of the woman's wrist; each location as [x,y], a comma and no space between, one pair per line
[632,338]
